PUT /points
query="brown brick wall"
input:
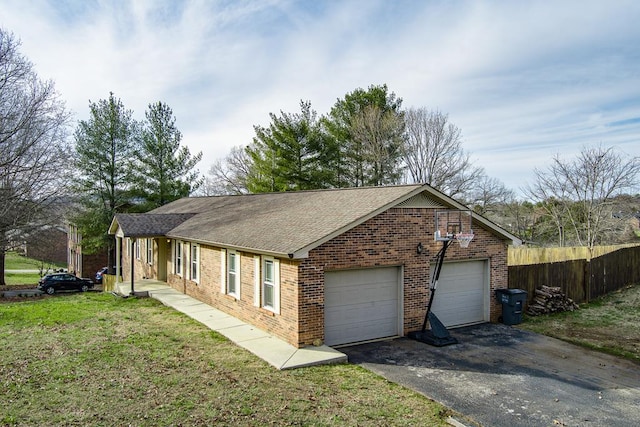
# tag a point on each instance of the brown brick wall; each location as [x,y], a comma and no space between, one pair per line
[208,290]
[390,239]
[141,268]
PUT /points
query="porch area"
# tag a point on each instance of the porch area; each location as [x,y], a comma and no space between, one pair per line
[271,349]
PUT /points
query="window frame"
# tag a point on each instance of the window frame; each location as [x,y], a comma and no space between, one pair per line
[274,284]
[149,243]
[194,262]
[231,254]
[178,257]
[137,249]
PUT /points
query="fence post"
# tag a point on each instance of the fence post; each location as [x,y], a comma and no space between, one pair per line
[587,280]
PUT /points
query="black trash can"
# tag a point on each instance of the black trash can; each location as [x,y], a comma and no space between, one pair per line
[512,301]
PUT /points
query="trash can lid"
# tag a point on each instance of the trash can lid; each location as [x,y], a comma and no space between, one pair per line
[511,291]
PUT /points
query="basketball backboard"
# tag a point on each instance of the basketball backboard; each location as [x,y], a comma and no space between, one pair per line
[451,223]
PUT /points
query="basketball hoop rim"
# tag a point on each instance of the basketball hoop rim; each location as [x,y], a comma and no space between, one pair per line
[464,239]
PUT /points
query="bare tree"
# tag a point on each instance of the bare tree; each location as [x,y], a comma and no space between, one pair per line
[489,194]
[577,194]
[228,175]
[33,130]
[379,133]
[433,153]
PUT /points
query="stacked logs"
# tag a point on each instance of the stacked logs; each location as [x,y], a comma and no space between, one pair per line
[550,299]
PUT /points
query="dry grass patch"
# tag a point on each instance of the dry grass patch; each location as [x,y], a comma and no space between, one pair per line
[92,359]
[610,324]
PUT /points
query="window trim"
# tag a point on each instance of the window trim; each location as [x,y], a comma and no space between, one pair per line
[236,274]
[137,249]
[276,284]
[194,262]
[256,280]
[223,271]
[178,258]
[149,243]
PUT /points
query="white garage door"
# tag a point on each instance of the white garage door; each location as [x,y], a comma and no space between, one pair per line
[361,305]
[461,294]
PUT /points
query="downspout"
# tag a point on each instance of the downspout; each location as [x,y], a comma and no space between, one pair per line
[133,244]
[185,268]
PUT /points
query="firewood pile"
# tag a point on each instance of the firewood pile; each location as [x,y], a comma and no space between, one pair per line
[550,299]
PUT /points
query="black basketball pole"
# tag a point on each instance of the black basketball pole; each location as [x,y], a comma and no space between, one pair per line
[434,279]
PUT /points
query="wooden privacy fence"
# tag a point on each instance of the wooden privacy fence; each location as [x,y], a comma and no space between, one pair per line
[108,282]
[581,280]
[525,256]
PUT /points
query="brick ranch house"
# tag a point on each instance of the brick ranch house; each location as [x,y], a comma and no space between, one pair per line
[327,266]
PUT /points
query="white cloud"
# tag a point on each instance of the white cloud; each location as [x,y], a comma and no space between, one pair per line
[523,80]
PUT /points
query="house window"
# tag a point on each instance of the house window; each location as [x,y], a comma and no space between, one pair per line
[150,251]
[177,258]
[137,248]
[271,284]
[233,273]
[195,262]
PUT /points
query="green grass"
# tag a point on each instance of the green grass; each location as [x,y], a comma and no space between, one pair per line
[93,359]
[13,261]
[21,278]
[609,324]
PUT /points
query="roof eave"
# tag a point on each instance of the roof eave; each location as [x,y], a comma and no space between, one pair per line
[113,227]
[257,251]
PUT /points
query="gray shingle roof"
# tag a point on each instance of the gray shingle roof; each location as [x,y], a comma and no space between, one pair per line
[281,223]
[288,223]
[147,225]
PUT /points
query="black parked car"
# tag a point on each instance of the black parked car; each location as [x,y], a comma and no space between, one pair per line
[63,281]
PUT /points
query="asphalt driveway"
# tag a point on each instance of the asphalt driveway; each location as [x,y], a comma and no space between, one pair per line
[500,375]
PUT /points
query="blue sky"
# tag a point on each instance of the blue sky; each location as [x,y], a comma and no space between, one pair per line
[523,80]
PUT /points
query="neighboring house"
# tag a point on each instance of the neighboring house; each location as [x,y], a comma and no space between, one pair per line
[82,265]
[327,266]
[48,245]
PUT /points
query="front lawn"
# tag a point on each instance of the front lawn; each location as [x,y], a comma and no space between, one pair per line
[94,359]
[27,279]
[14,261]
[610,324]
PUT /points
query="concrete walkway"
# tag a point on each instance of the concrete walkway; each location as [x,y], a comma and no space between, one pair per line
[267,347]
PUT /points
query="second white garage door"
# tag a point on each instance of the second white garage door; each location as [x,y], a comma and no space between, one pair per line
[361,305]
[461,296]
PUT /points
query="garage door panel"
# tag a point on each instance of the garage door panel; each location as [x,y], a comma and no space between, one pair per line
[463,295]
[356,293]
[372,330]
[368,311]
[460,296]
[361,305]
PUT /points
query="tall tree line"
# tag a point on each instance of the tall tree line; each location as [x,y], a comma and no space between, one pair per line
[366,139]
[112,164]
[123,165]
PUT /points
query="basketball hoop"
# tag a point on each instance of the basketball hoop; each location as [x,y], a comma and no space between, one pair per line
[464,239]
